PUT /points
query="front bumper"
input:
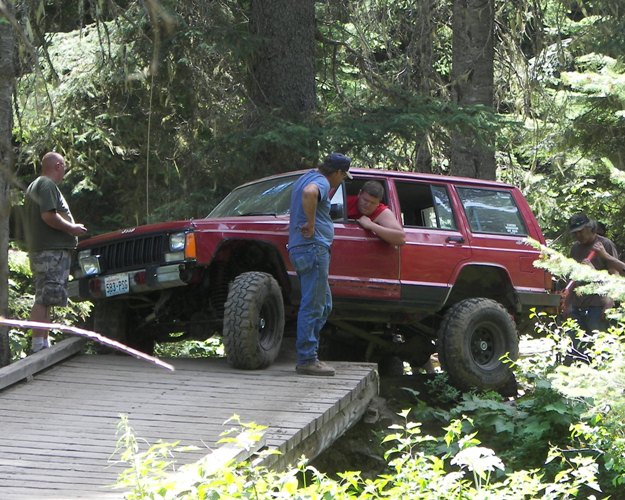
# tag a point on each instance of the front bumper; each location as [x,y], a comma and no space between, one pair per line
[140,281]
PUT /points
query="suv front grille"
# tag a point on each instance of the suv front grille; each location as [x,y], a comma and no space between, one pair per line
[137,252]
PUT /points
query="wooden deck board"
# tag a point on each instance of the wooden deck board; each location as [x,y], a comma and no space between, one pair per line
[59,429]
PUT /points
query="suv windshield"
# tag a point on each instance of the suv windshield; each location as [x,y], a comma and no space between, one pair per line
[266,197]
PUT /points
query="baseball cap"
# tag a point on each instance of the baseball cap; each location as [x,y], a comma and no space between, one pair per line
[578,222]
[338,161]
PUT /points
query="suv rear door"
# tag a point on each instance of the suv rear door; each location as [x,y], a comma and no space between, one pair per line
[436,241]
[500,221]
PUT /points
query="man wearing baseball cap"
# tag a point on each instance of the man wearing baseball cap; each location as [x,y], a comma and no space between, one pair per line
[599,252]
[311,232]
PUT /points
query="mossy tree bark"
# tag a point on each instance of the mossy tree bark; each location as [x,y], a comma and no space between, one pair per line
[473,84]
[7,161]
[282,79]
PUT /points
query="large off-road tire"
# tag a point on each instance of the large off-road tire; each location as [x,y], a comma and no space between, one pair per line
[473,336]
[253,321]
[112,319]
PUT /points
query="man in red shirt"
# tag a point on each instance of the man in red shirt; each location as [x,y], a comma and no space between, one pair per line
[373,215]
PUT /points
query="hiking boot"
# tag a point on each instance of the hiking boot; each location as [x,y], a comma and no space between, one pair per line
[318,368]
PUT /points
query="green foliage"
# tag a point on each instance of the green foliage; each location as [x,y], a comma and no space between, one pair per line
[536,421]
[20,284]
[441,390]
[163,102]
[21,298]
[567,103]
[597,387]
[146,468]
[117,114]
[600,282]
[212,347]
[598,98]
[170,110]
[601,386]
[465,469]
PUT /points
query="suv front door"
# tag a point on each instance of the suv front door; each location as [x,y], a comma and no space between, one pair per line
[362,265]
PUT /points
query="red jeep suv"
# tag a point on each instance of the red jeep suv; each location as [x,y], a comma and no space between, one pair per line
[462,285]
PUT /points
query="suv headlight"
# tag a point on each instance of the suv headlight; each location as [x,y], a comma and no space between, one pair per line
[89,264]
[177,242]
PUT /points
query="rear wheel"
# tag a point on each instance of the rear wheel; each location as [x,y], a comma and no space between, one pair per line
[473,336]
[253,321]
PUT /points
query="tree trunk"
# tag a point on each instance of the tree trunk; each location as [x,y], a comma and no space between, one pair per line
[472,78]
[7,159]
[282,75]
[422,60]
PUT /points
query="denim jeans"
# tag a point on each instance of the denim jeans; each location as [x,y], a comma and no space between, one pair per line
[312,264]
[588,319]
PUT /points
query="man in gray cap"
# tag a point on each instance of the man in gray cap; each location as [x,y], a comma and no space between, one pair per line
[599,252]
[311,232]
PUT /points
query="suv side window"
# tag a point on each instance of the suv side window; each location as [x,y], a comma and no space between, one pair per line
[338,210]
[491,211]
[425,205]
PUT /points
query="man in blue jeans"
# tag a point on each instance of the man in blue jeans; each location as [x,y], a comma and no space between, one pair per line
[311,232]
[599,252]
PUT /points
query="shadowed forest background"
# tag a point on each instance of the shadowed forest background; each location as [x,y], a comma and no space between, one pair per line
[161,107]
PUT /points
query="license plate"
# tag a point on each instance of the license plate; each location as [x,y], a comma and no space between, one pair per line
[116,284]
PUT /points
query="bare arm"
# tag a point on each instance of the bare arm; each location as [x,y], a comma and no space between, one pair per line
[386,227]
[615,266]
[310,200]
[56,221]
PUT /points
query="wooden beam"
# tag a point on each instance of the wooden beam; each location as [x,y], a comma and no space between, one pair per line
[325,431]
[27,367]
[239,449]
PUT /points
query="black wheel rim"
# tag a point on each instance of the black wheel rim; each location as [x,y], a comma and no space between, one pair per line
[484,344]
[267,328]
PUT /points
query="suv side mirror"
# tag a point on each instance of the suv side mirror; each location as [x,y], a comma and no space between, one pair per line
[336,211]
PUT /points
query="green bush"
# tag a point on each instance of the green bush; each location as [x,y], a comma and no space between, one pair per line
[464,470]
[212,347]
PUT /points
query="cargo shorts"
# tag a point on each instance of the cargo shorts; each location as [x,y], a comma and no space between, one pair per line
[50,270]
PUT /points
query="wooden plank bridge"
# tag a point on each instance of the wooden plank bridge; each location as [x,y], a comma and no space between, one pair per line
[59,414]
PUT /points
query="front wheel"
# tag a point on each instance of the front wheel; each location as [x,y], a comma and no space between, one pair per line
[110,318]
[472,339]
[253,321]
[114,319]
